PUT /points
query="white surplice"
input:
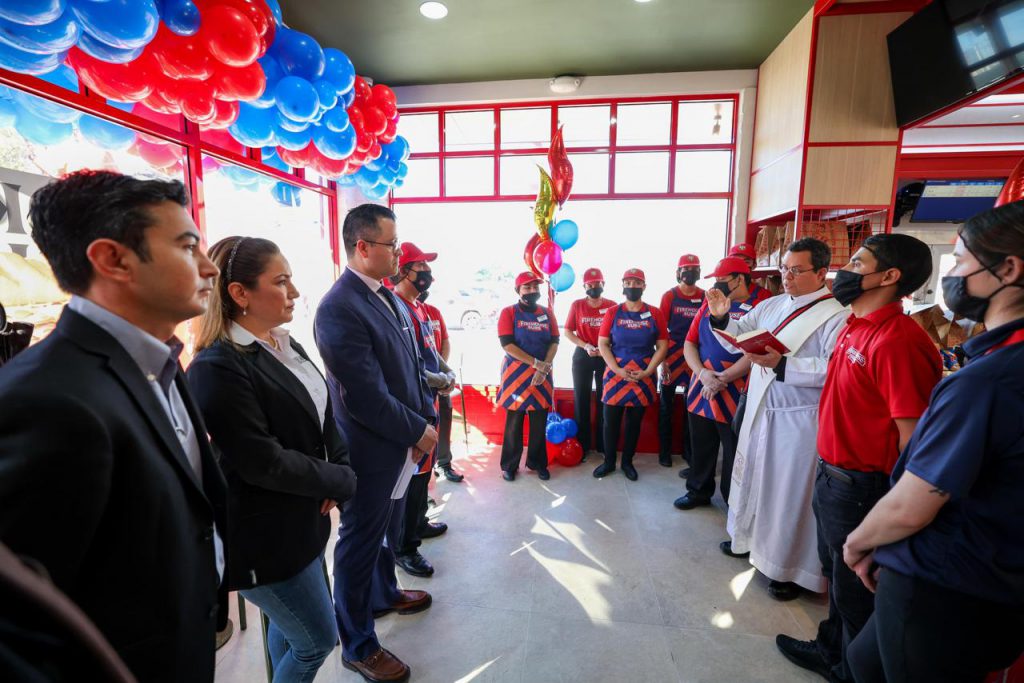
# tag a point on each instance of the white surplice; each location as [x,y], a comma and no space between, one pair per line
[773,477]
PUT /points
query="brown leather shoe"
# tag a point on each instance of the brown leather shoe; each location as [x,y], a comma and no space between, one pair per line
[380,666]
[410,602]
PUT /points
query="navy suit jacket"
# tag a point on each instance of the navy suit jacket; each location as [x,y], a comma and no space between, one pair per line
[374,373]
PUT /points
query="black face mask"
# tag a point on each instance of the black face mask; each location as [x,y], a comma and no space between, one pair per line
[723,287]
[423,280]
[422,297]
[531,299]
[954,291]
[595,292]
[633,293]
[687,277]
[849,286]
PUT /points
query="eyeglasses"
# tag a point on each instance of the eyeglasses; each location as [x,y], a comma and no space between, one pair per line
[393,246]
[795,272]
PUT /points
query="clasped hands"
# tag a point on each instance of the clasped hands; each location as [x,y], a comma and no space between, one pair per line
[632,375]
[542,369]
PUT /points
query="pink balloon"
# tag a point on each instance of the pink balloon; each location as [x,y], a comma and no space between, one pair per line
[548,257]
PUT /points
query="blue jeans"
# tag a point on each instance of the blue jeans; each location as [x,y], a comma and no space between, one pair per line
[302,630]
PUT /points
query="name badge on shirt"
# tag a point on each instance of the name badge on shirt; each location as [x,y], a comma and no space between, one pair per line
[542,318]
[645,315]
[695,301]
[604,310]
[746,307]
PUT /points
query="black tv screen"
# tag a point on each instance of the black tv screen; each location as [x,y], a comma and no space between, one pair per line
[951,49]
[954,201]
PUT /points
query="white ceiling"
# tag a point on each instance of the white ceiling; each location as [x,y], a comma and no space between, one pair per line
[994,123]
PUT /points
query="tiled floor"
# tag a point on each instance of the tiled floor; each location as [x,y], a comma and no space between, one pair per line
[574,579]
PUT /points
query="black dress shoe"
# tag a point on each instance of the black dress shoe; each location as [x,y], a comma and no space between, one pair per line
[665,460]
[508,475]
[783,591]
[432,530]
[543,474]
[414,564]
[803,653]
[451,475]
[690,501]
[684,473]
[629,471]
[726,548]
[603,470]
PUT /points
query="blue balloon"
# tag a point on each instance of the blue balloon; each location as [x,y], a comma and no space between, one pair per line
[565,233]
[571,428]
[32,12]
[555,432]
[298,54]
[108,53]
[336,119]
[104,134]
[273,160]
[292,126]
[294,141]
[388,177]
[377,193]
[45,109]
[346,180]
[554,417]
[181,16]
[8,112]
[40,131]
[338,69]
[399,182]
[125,24]
[28,63]
[275,9]
[240,176]
[563,278]
[398,149]
[375,165]
[403,170]
[394,163]
[335,145]
[123,106]
[43,39]
[254,127]
[366,179]
[287,195]
[296,98]
[349,98]
[64,76]
[326,92]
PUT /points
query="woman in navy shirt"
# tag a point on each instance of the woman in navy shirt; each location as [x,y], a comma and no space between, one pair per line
[949,536]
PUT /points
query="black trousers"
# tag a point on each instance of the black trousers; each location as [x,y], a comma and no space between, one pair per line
[412,513]
[588,373]
[666,405]
[706,436]
[444,430]
[512,444]
[613,427]
[839,508]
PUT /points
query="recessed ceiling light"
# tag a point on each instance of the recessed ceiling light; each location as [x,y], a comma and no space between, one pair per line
[1015,116]
[643,0]
[434,10]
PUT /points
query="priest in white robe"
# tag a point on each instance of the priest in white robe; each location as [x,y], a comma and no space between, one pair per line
[770,513]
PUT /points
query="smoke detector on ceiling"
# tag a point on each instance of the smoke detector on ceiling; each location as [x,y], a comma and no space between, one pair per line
[565,84]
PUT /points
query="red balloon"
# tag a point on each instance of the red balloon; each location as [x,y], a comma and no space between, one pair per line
[224,140]
[256,11]
[528,255]
[364,142]
[229,35]
[197,102]
[160,155]
[181,57]
[571,453]
[240,83]
[547,256]
[300,158]
[561,168]
[129,82]
[376,122]
[1013,189]
[363,91]
[356,119]
[554,452]
[157,102]
[382,93]
[389,134]
[375,150]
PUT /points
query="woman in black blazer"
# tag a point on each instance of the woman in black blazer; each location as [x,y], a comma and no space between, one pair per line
[269,416]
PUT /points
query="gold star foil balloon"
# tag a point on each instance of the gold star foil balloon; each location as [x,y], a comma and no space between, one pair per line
[544,209]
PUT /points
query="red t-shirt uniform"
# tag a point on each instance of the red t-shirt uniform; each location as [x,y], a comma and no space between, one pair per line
[585,321]
[884,368]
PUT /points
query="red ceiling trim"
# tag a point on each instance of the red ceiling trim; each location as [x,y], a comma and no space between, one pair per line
[880,7]
[856,143]
[974,125]
[968,144]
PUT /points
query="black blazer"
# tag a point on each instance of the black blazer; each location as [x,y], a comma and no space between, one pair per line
[281,459]
[95,486]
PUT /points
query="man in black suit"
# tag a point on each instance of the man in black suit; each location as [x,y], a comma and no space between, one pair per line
[106,475]
[383,405]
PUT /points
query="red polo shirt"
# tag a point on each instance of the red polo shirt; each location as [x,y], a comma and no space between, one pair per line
[585,321]
[884,368]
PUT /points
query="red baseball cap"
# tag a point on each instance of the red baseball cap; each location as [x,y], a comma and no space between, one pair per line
[635,273]
[413,254]
[743,249]
[729,266]
[688,261]
[526,278]
[593,275]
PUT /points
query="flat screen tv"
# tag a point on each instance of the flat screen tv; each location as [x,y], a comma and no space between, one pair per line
[951,49]
[954,201]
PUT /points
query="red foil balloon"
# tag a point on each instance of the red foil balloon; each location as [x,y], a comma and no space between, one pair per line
[1013,189]
[571,453]
[528,255]
[561,168]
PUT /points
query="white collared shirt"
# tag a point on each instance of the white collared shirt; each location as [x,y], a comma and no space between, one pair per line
[377,287]
[283,352]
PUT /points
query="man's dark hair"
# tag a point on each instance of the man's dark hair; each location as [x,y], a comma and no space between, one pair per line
[71,213]
[821,254]
[909,255]
[362,223]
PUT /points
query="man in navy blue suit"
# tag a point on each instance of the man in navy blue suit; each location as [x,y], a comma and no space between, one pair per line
[384,407]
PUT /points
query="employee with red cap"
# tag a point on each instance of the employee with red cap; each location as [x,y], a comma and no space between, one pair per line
[679,307]
[718,380]
[745,251]
[529,335]
[633,341]
[581,328]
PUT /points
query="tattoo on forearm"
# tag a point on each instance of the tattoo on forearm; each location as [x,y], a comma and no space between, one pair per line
[939,492]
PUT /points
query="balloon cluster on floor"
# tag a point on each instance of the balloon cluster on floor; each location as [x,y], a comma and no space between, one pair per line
[229,65]
[562,446]
[544,252]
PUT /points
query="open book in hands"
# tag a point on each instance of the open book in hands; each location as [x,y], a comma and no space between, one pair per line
[756,342]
